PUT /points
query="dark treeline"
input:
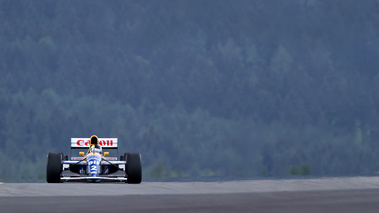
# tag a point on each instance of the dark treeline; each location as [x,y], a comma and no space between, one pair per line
[199,87]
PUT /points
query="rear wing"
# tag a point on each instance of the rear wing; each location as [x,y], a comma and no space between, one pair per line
[82,144]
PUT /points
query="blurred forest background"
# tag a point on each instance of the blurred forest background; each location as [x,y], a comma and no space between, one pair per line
[201,88]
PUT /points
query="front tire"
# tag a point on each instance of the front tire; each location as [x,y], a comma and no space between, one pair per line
[54,167]
[133,168]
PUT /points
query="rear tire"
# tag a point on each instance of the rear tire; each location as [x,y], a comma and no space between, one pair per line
[54,167]
[133,168]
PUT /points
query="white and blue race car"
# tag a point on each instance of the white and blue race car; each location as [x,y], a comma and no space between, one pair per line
[94,166]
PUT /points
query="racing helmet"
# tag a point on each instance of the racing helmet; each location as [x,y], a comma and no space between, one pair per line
[94,140]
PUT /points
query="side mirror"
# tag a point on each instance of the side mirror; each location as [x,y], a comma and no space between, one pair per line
[106,153]
[81,153]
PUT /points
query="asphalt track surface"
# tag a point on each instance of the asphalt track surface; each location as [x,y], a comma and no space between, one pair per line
[355,194]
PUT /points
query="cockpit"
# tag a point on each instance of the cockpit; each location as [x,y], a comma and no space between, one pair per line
[96,149]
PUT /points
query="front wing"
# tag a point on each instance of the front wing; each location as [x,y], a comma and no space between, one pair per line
[84,179]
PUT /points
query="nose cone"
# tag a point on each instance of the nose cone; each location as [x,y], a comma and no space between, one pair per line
[93,170]
[94,165]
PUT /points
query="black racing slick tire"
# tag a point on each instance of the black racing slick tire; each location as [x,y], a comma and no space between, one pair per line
[54,167]
[133,168]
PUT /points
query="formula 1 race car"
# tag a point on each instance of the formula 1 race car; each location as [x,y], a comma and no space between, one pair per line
[94,166]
